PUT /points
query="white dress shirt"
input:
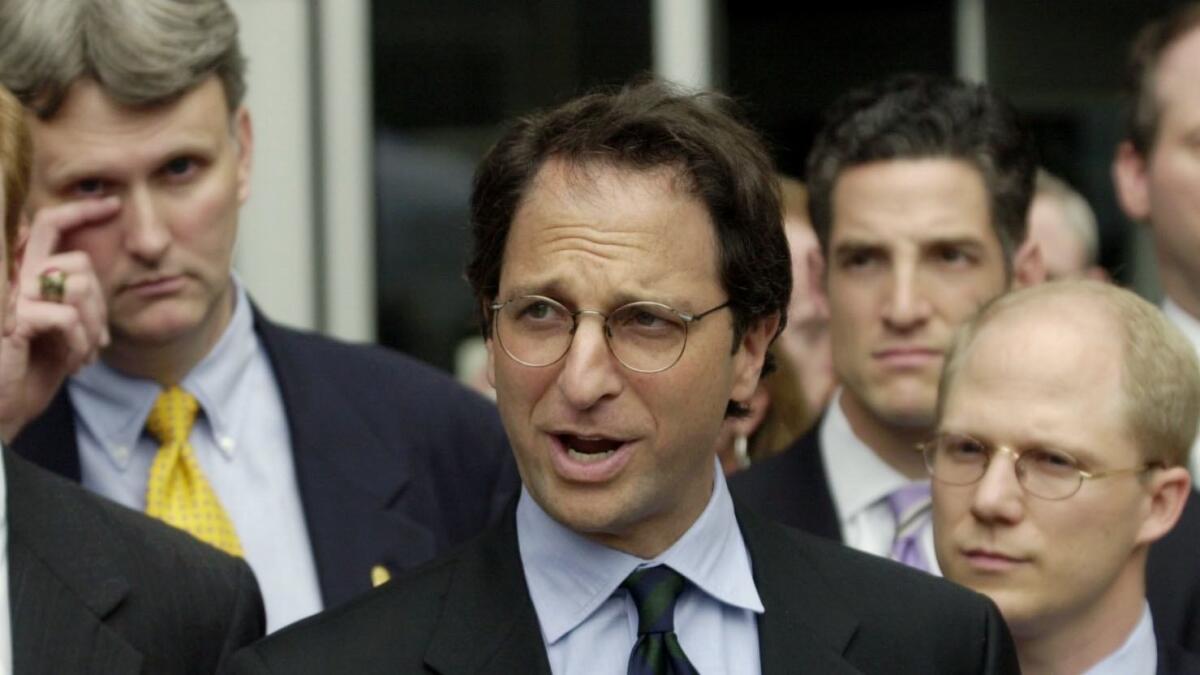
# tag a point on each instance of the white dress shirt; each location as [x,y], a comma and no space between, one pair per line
[241,441]
[860,482]
[1139,654]
[587,627]
[1190,327]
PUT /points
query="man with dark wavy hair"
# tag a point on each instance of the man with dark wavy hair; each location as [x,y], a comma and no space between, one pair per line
[631,269]
[918,190]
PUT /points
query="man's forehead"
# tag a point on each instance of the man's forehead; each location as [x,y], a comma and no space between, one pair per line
[1067,344]
[1176,76]
[604,220]
[92,132]
[921,199]
[597,179]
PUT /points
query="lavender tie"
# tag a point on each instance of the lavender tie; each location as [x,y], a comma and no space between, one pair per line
[910,507]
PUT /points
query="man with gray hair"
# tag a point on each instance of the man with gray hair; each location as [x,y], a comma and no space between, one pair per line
[1065,414]
[87,586]
[266,442]
[1063,224]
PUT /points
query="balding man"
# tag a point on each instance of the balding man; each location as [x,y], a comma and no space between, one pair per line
[1065,416]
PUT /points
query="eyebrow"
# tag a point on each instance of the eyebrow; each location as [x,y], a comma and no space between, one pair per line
[553,289]
[1080,454]
[68,170]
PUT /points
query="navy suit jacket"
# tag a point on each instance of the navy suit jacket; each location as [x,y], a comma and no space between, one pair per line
[793,488]
[97,588]
[395,461]
[829,610]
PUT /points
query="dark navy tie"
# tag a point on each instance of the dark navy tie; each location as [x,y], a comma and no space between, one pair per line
[657,651]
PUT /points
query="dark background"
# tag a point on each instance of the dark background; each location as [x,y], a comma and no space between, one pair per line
[448,74]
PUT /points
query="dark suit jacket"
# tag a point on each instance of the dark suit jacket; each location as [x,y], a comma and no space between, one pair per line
[1173,660]
[793,489]
[395,461]
[829,610]
[97,588]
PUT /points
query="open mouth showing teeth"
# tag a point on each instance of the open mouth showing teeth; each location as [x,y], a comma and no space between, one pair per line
[589,449]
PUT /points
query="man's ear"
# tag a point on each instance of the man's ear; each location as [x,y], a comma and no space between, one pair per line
[1167,493]
[1131,178]
[1028,267]
[244,133]
[748,360]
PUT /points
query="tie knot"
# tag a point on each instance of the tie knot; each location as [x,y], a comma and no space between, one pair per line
[655,590]
[172,416]
[906,502]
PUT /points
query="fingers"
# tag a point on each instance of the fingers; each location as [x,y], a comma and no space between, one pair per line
[51,223]
[52,323]
[72,264]
[82,291]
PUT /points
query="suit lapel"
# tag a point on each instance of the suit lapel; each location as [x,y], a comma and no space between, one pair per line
[813,510]
[62,584]
[804,628]
[49,440]
[351,482]
[488,624]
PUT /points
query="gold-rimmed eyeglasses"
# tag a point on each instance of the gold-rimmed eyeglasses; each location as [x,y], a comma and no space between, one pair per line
[959,459]
[646,337]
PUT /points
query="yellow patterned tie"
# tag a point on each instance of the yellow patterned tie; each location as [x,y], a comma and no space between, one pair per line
[178,493]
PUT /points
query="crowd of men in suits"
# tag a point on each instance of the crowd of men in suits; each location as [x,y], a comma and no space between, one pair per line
[632,271]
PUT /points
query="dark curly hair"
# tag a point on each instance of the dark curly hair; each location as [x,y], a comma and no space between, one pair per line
[915,116]
[646,125]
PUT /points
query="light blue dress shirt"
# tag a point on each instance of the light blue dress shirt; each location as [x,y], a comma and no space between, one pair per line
[589,626]
[1139,654]
[241,441]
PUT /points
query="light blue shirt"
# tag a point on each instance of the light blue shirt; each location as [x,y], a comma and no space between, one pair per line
[589,626]
[241,441]
[1139,654]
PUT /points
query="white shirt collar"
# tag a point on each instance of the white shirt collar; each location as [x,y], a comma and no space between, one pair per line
[570,576]
[1186,323]
[858,478]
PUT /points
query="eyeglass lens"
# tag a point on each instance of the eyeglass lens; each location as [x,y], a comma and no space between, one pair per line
[962,460]
[645,336]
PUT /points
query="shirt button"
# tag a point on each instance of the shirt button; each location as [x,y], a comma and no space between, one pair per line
[226,443]
[122,452]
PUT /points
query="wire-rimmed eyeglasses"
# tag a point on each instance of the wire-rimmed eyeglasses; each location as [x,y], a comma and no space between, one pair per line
[646,337]
[959,459]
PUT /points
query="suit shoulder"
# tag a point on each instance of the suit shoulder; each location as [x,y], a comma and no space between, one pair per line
[792,488]
[894,618]
[134,537]
[180,600]
[385,630]
[894,597]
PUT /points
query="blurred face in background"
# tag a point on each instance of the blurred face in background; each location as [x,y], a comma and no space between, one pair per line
[1163,189]
[912,255]
[806,341]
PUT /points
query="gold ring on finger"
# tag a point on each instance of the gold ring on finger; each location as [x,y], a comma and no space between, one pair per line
[53,284]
